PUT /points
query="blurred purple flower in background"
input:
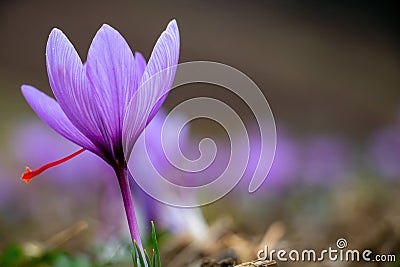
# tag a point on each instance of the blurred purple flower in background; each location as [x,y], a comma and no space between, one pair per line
[286,166]
[32,141]
[284,170]
[100,107]
[14,200]
[384,152]
[325,160]
[316,161]
[7,185]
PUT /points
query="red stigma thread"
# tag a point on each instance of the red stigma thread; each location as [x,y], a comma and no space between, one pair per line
[29,174]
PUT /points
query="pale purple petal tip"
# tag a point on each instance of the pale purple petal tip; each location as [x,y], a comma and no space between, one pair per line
[140,66]
[155,84]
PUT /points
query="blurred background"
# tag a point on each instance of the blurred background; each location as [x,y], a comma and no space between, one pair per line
[331,74]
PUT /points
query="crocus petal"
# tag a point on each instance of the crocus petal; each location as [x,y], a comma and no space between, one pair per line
[163,58]
[70,86]
[140,65]
[153,88]
[51,113]
[110,68]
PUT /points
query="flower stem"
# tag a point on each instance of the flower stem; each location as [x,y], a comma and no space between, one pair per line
[122,175]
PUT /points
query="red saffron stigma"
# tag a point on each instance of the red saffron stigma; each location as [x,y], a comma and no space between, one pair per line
[29,174]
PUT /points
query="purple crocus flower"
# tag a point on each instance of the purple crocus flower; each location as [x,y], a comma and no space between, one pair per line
[104,104]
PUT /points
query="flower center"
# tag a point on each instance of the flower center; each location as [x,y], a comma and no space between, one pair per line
[29,174]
